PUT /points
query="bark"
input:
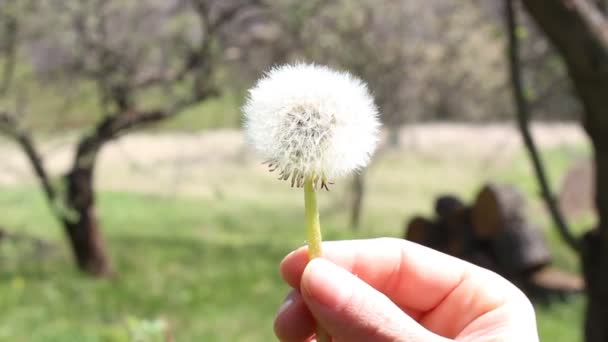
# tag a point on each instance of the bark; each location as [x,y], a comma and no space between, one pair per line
[82,227]
[595,263]
[595,256]
[579,31]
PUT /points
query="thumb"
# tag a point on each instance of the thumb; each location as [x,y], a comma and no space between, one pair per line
[351,310]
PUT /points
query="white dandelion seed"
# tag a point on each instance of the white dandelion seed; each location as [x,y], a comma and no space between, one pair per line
[311,122]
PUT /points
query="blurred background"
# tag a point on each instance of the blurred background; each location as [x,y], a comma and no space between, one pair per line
[131,208]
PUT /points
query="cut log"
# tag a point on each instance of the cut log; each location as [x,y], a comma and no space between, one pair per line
[457,233]
[446,205]
[422,231]
[550,282]
[496,234]
[520,248]
[557,280]
[494,206]
[482,259]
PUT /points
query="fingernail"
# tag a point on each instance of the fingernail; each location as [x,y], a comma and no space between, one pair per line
[289,300]
[326,283]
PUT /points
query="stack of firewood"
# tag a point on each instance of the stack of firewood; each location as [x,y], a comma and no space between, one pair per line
[494,232]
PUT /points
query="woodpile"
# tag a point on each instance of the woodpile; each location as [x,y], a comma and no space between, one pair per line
[495,233]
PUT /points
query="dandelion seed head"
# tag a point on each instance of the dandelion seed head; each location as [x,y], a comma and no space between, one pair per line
[311,121]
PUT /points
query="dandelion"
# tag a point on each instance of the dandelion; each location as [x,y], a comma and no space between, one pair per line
[312,125]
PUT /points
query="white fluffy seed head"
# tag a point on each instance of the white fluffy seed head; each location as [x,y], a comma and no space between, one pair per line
[311,121]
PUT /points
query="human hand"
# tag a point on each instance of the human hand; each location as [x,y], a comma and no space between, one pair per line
[395,290]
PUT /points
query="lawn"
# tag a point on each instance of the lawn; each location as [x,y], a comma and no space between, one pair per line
[204,268]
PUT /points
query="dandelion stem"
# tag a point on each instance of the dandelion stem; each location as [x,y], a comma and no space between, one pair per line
[313,227]
[313,232]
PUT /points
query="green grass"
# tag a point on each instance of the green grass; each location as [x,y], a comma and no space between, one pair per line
[207,267]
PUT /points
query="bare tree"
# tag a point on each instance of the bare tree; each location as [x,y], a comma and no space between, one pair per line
[130,52]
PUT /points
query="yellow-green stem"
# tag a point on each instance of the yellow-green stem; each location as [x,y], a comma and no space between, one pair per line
[313,234]
[313,227]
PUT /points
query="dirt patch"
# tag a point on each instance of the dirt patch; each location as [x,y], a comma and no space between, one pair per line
[196,163]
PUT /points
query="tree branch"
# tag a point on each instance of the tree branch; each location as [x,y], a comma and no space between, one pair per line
[11,25]
[593,19]
[602,5]
[585,38]
[114,126]
[231,14]
[9,128]
[523,117]
[109,129]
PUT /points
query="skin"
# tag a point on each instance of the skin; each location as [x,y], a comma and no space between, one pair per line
[401,292]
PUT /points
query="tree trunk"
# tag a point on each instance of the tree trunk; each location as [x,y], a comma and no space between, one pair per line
[595,253]
[595,256]
[394,136]
[358,193]
[579,31]
[595,262]
[81,225]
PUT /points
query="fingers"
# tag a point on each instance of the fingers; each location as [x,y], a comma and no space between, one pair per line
[294,322]
[351,310]
[428,285]
[400,269]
